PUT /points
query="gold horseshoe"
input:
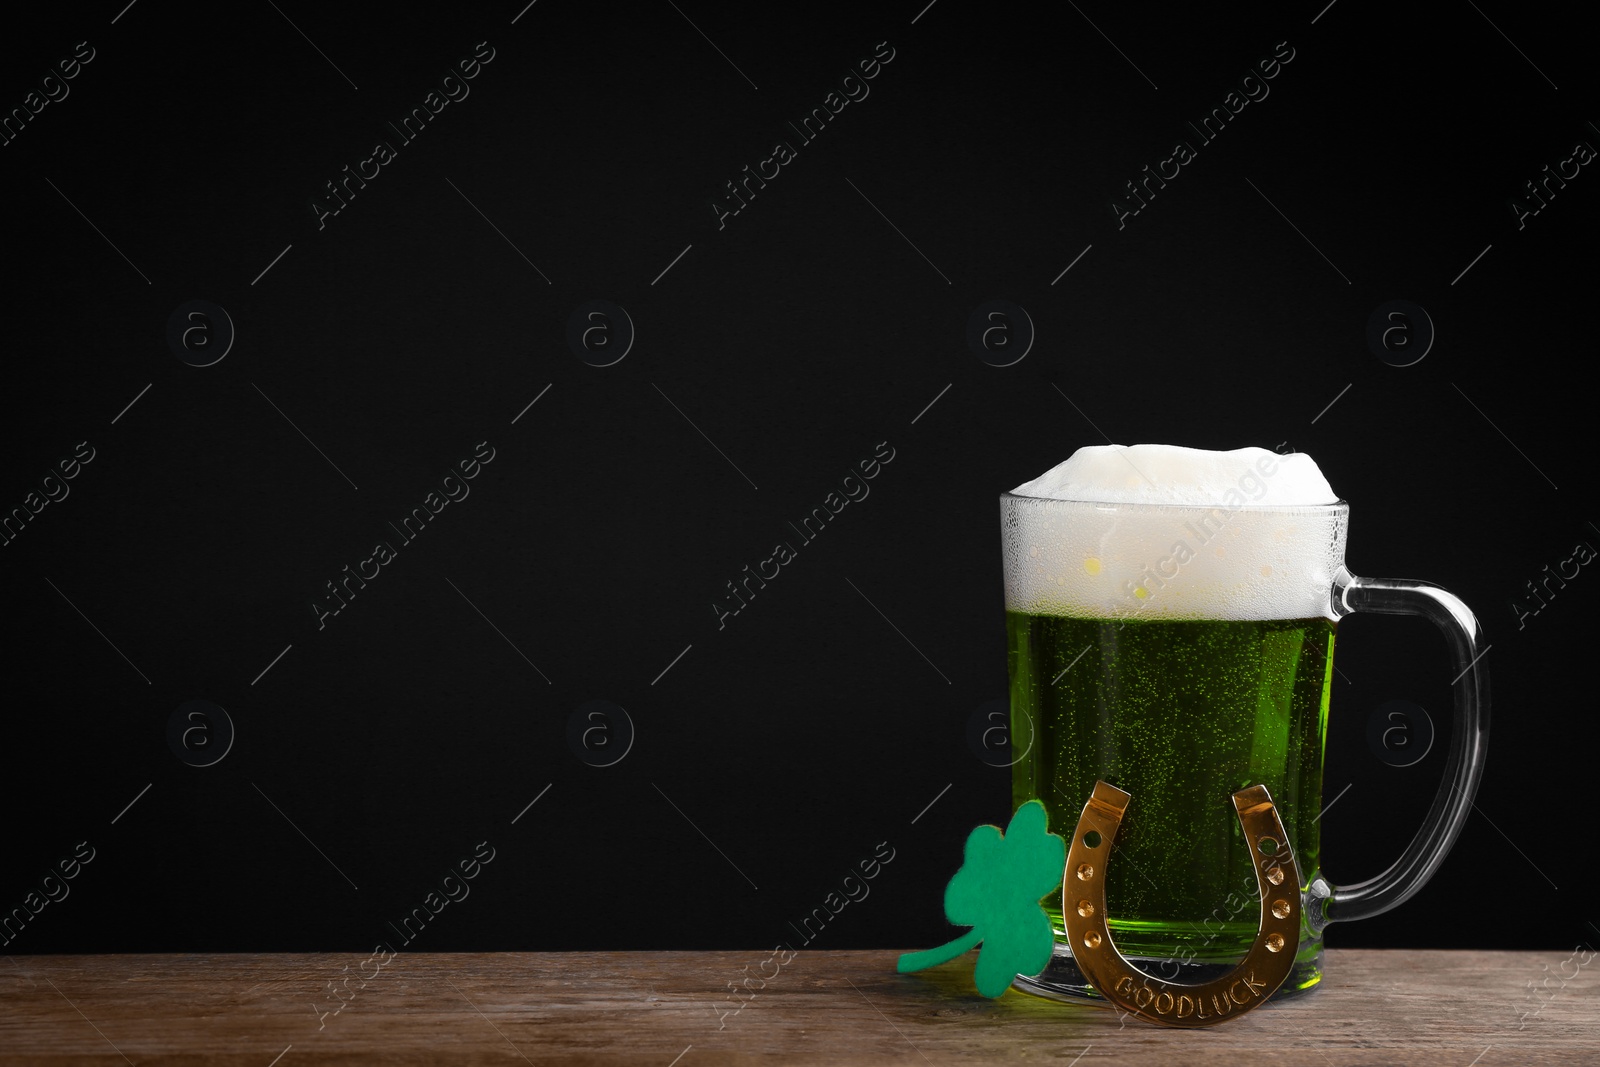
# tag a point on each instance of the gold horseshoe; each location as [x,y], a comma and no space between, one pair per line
[1083,905]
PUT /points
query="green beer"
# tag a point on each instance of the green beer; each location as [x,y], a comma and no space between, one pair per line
[1170,614]
[1180,713]
[1171,632]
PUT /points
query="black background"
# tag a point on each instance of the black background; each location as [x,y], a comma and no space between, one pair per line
[778,751]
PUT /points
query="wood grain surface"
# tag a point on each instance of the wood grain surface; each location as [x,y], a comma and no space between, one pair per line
[660,1009]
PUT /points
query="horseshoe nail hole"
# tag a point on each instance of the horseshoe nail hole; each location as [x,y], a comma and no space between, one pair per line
[1085,871]
[1092,939]
[1280,908]
[1085,908]
[1275,875]
[1268,845]
[1275,943]
[1092,839]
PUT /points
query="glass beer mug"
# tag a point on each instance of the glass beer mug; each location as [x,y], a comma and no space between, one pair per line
[1177,643]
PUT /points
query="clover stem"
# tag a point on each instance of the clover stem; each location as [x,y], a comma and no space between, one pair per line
[916,961]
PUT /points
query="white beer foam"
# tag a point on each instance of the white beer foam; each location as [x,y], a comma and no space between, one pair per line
[1162,531]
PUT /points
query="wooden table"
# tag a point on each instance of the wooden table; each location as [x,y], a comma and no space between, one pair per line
[659,1009]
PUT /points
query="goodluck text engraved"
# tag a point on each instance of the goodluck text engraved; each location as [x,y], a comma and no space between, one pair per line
[1240,994]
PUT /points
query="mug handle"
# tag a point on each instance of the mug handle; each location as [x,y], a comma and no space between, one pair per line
[1469,736]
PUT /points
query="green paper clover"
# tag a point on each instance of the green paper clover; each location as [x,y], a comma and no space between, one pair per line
[996,892]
